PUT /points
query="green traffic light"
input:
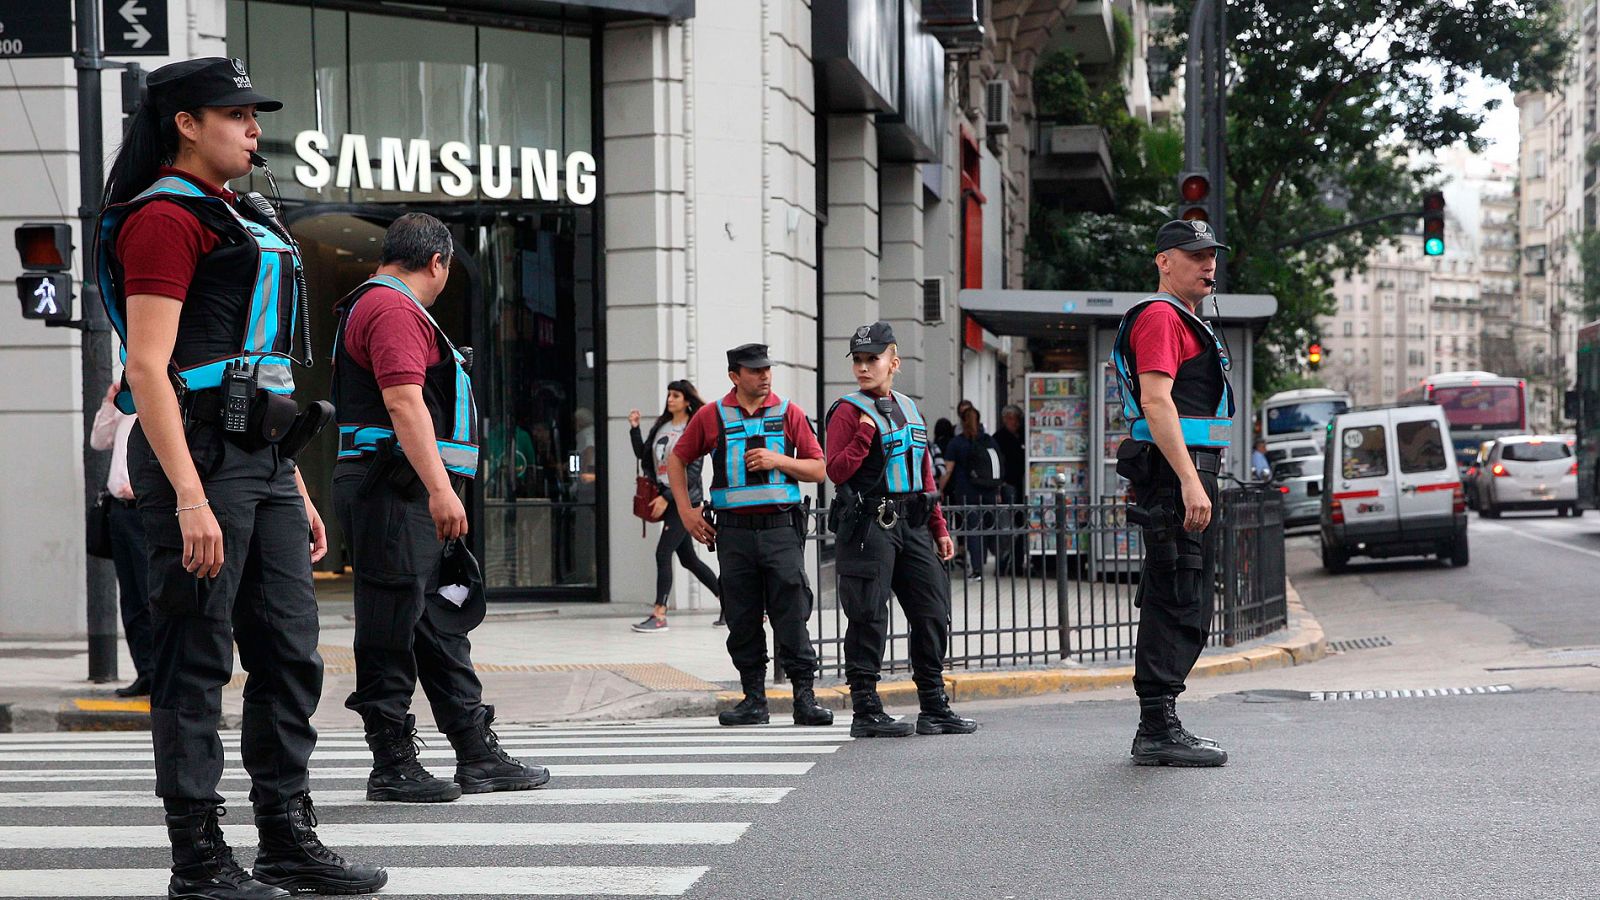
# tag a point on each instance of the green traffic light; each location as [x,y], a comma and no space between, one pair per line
[1433,246]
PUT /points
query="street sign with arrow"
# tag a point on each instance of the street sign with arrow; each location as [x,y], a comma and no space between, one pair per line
[135,27]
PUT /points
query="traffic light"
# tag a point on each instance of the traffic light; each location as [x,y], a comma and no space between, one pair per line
[1314,356]
[1194,196]
[44,287]
[1433,223]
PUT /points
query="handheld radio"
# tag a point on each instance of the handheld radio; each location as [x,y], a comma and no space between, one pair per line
[238,391]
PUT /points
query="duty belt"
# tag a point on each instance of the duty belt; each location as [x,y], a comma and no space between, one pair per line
[754,522]
[889,509]
[1206,460]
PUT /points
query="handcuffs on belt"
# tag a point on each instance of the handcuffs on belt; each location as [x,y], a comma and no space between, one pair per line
[886,509]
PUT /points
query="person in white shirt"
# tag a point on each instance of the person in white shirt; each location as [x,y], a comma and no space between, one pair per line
[110,432]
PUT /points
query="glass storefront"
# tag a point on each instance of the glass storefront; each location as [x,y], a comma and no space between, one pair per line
[491,130]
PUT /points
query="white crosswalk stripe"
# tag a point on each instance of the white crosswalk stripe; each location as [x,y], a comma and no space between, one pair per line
[78,809]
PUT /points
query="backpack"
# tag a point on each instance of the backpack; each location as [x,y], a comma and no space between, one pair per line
[984,468]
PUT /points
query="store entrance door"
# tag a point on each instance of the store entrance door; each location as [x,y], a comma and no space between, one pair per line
[521,294]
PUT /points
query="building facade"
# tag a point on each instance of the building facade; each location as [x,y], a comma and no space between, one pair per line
[634,186]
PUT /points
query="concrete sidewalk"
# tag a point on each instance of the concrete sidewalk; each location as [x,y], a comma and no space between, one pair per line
[563,662]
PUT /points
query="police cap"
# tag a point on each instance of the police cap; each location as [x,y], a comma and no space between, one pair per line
[874,338]
[749,356]
[1192,234]
[209,81]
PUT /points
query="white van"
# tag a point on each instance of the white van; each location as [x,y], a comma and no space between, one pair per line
[1390,487]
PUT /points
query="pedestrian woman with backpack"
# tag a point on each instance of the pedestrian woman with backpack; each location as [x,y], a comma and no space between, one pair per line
[653,450]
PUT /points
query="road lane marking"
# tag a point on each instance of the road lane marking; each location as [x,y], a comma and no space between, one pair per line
[649,881]
[1543,540]
[398,834]
[576,770]
[135,756]
[331,799]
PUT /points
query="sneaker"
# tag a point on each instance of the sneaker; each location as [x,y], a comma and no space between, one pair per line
[650,625]
[721,622]
[975,575]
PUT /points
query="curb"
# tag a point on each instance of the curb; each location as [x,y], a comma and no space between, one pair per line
[1301,642]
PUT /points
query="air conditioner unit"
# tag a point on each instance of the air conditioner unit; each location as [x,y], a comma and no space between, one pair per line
[951,13]
[933,301]
[997,106]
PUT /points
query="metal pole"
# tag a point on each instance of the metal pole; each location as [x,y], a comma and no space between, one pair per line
[1061,564]
[1194,86]
[95,347]
[1219,137]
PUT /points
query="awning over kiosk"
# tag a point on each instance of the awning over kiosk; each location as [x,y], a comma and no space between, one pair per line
[1043,314]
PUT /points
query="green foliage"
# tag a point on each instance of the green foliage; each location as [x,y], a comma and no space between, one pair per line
[1589,258]
[1331,98]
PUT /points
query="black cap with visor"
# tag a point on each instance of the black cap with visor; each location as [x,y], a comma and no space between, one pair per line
[209,81]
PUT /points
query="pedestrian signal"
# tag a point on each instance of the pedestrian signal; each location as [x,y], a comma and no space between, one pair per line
[1433,223]
[44,288]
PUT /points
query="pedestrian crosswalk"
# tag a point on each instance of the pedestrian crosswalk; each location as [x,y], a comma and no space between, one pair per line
[78,816]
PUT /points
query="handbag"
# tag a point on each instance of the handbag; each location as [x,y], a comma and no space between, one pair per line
[97,538]
[645,493]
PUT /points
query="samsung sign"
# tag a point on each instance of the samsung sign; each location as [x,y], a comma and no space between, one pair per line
[407,166]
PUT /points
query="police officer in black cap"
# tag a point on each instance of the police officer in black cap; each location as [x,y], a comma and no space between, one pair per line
[1174,374]
[407,445]
[187,268]
[891,536]
[762,449]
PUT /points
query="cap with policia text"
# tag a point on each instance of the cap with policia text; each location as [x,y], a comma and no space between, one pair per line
[749,356]
[209,81]
[872,338]
[1187,235]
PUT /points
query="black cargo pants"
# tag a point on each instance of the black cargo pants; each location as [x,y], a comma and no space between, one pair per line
[902,559]
[262,600]
[395,552]
[1175,596]
[763,567]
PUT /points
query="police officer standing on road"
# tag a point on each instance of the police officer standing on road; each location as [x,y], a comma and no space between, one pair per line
[1174,375]
[204,289]
[407,444]
[762,447]
[891,536]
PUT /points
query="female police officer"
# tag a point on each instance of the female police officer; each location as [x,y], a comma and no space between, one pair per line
[203,290]
[888,526]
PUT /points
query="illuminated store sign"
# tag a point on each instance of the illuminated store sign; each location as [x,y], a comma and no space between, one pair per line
[407,166]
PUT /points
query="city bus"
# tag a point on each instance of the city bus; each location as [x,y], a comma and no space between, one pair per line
[1480,406]
[1299,415]
[1583,405]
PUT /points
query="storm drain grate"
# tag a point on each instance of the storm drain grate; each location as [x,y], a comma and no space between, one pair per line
[1407,693]
[1366,643]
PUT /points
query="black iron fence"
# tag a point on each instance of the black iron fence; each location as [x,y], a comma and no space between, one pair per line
[1033,585]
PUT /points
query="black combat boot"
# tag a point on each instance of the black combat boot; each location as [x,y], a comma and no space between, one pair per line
[752,710]
[293,858]
[938,718]
[482,766]
[870,721]
[1161,740]
[396,774]
[1187,735]
[806,710]
[203,867]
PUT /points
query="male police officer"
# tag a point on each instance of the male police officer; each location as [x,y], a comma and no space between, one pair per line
[762,447]
[1173,371]
[406,443]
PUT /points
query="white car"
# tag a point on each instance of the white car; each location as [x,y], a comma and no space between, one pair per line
[1529,471]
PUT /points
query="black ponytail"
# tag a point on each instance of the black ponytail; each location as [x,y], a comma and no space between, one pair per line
[150,143]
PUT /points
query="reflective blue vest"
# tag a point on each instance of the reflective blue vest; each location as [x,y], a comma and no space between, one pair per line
[446,390]
[1200,391]
[904,446]
[733,486]
[242,302]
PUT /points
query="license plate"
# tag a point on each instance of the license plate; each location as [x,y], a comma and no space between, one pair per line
[1542,493]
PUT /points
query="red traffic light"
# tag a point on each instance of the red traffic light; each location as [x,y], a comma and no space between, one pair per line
[1194,188]
[1314,354]
[46,248]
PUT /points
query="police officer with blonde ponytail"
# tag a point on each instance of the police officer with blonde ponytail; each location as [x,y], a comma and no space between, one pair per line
[891,536]
[203,287]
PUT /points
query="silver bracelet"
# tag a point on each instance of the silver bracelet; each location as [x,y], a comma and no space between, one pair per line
[201,505]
